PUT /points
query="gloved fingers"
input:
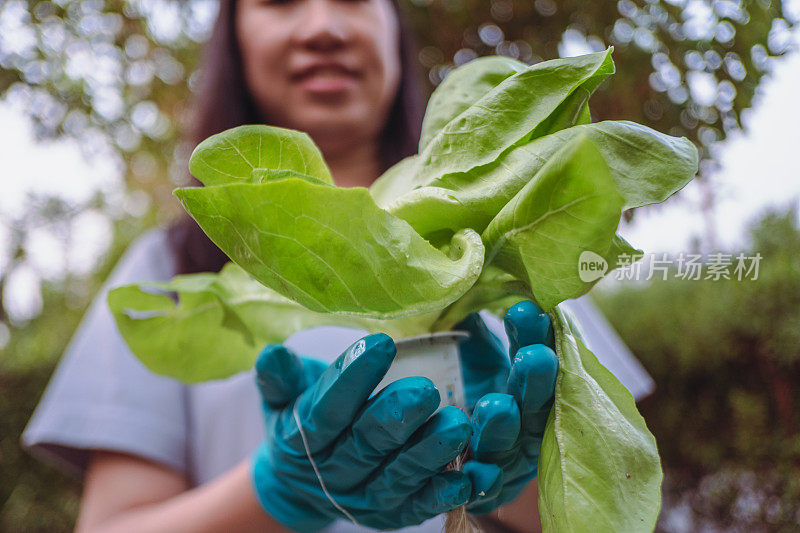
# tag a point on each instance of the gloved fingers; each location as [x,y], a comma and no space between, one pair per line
[496,427]
[279,375]
[532,383]
[330,405]
[440,494]
[385,423]
[527,324]
[513,487]
[395,413]
[482,353]
[485,506]
[513,482]
[312,370]
[487,482]
[432,447]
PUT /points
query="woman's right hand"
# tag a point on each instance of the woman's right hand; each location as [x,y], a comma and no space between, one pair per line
[381,459]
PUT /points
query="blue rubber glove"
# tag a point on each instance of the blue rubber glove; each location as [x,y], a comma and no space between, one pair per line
[512,401]
[381,459]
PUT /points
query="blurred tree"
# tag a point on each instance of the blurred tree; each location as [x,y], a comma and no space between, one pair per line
[108,72]
[685,67]
[726,357]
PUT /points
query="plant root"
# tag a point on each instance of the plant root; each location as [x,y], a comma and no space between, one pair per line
[458,520]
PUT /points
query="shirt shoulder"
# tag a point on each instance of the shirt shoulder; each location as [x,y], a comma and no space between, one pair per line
[148,258]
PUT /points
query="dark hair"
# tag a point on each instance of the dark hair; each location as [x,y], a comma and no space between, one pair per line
[223,101]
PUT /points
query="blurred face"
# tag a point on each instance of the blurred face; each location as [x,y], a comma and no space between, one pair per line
[327,67]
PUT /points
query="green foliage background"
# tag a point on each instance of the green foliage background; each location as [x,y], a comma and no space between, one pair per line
[34,496]
[724,355]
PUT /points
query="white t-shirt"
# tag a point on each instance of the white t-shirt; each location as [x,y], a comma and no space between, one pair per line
[102,397]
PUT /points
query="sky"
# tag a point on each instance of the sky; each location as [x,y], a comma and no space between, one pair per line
[760,169]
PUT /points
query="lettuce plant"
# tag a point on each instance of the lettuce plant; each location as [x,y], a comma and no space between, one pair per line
[511,184]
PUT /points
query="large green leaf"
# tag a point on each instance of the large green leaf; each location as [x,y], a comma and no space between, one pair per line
[395,182]
[494,291]
[574,110]
[462,88]
[647,167]
[233,155]
[599,468]
[618,249]
[332,249]
[509,114]
[199,338]
[221,321]
[489,105]
[569,207]
[261,175]
[432,209]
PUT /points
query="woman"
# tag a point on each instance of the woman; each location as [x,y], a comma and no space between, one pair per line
[161,456]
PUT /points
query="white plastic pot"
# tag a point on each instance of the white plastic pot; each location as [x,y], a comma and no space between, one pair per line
[434,356]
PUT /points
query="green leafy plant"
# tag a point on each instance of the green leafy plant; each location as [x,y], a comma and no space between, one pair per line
[512,183]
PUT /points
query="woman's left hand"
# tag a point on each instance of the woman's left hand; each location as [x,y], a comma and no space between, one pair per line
[510,403]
